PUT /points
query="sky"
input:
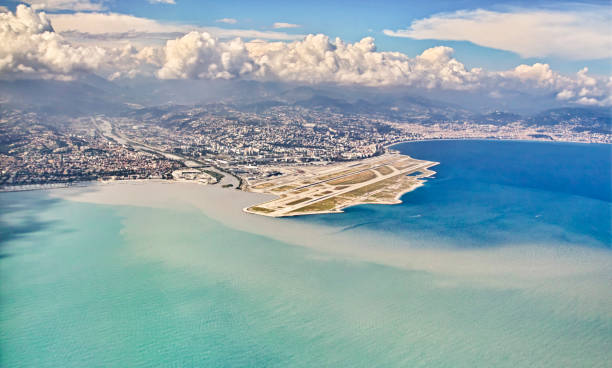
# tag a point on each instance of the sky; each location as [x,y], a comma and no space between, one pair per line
[546,40]
[353,20]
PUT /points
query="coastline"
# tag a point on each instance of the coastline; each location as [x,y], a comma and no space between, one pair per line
[510,266]
[79,184]
[176,248]
[32,187]
[486,139]
[52,185]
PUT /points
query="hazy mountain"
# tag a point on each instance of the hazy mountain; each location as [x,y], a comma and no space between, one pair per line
[595,119]
[85,96]
[497,118]
[90,94]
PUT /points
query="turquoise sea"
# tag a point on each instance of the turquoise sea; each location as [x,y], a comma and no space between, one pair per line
[97,285]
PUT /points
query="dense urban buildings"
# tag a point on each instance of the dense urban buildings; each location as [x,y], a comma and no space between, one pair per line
[153,142]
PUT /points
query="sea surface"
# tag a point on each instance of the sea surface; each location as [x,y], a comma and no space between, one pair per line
[503,259]
[492,193]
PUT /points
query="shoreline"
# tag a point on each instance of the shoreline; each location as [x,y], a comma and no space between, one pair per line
[18,188]
[520,263]
[198,236]
[47,186]
[489,267]
[390,145]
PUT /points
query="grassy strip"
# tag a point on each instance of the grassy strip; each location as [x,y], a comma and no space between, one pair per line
[283,188]
[260,209]
[355,179]
[324,205]
[385,170]
[335,174]
[374,186]
[263,185]
[298,201]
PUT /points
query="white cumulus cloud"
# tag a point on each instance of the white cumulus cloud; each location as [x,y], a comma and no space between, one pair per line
[30,47]
[317,59]
[580,88]
[199,55]
[576,34]
[162,1]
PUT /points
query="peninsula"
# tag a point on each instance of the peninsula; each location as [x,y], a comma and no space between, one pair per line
[305,190]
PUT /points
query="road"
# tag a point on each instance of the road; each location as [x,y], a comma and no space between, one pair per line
[109,132]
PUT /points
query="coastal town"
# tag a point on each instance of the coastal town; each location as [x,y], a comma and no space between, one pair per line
[205,143]
[35,153]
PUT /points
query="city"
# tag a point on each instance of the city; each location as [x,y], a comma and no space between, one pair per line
[245,144]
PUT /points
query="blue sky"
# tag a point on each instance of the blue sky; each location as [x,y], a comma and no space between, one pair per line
[353,20]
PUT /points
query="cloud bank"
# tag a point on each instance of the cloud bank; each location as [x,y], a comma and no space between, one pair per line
[576,34]
[31,48]
[317,59]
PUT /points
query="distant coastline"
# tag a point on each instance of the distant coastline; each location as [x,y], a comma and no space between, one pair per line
[391,145]
[46,186]
[240,186]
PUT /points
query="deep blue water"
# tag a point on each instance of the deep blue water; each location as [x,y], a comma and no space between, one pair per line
[489,193]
